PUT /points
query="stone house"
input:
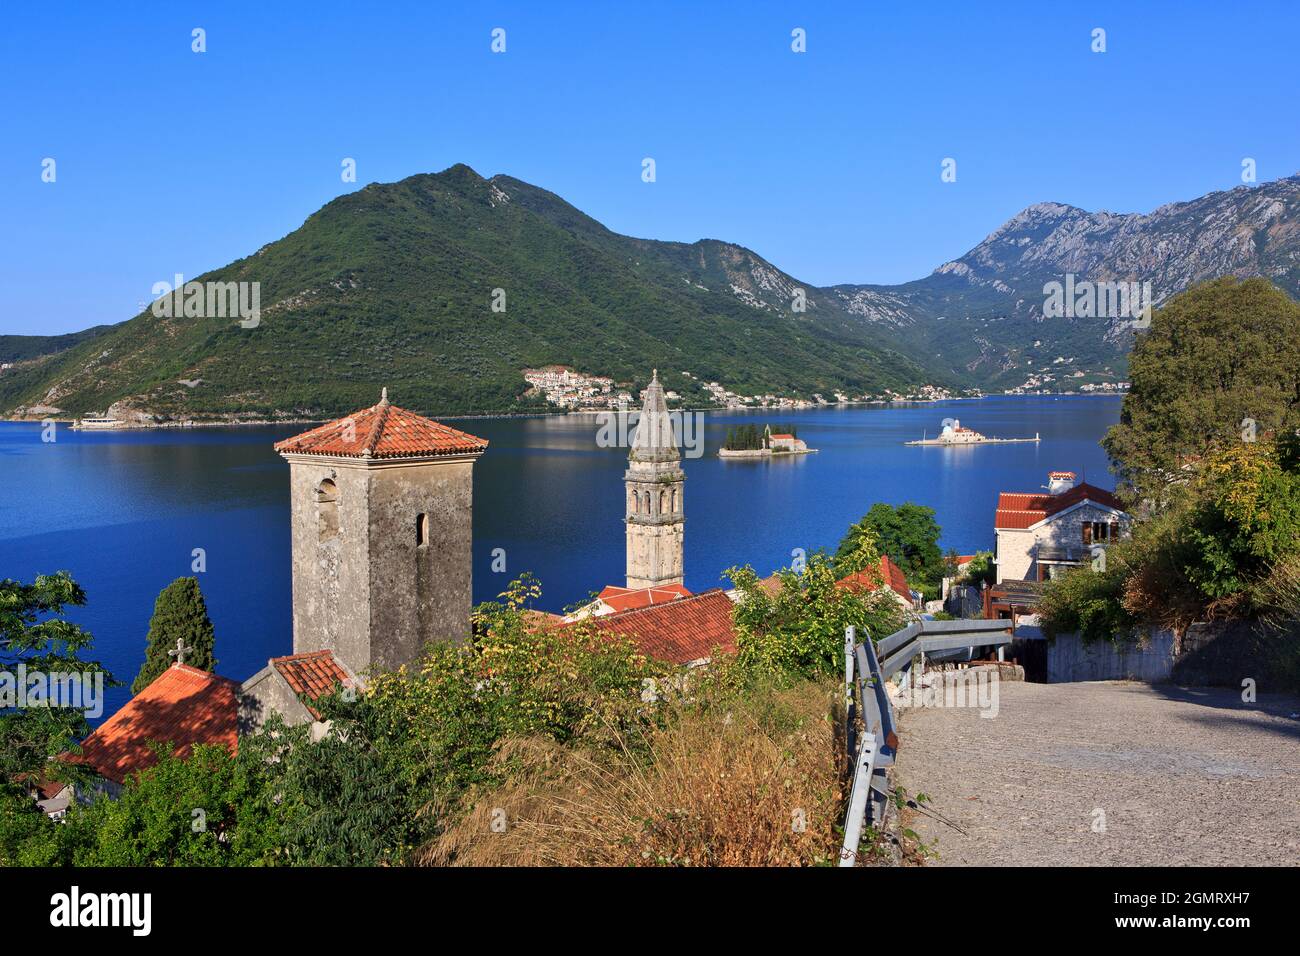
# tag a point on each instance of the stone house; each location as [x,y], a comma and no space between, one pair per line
[1040,535]
[290,686]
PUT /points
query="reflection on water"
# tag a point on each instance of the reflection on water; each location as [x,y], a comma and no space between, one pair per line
[123,511]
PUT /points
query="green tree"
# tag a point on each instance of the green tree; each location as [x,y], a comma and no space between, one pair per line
[1215,355]
[212,808]
[179,614]
[35,634]
[909,535]
[798,631]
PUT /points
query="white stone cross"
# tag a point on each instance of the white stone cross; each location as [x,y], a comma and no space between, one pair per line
[180,651]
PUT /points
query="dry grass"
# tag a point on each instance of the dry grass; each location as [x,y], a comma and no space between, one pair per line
[750,783]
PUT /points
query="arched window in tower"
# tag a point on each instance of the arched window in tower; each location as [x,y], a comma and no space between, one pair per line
[422,531]
[647,503]
[674,501]
[663,502]
[636,503]
[327,509]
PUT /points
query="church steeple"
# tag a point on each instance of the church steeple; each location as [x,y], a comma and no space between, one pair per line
[655,513]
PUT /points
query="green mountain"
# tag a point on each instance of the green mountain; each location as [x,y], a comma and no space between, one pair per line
[22,348]
[393,285]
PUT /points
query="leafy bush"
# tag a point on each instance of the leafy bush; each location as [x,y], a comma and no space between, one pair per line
[798,627]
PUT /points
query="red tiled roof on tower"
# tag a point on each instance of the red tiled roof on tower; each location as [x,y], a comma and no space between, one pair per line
[1018,510]
[383,431]
[679,632]
[184,706]
[312,675]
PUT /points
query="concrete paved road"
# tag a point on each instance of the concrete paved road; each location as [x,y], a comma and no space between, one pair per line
[1182,775]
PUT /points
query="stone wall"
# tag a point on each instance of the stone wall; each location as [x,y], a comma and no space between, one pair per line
[1221,654]
[1069,658]
[421,592]
[1227,653]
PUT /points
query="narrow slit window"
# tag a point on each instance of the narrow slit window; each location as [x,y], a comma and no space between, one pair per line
[327,509]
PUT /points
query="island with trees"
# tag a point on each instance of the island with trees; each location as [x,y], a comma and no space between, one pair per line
[750,441]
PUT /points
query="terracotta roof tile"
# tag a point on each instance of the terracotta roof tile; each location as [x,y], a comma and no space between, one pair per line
[626,599]
[679,632]
[1019,510]
[184,706]
[886,573]
[312,675]
[383,431]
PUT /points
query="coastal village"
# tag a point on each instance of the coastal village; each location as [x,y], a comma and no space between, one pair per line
[570,390]
[381,527]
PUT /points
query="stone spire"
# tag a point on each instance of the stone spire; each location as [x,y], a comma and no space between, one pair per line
[655,511]
[654,439]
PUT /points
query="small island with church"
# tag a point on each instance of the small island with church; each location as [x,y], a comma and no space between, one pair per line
[954,433]
[748,441]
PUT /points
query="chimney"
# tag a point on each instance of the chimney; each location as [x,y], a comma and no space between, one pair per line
[1060,481]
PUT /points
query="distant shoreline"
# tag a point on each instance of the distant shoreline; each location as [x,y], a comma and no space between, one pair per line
[469,416]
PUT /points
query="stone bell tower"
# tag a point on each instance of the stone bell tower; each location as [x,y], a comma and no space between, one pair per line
[381,508]
[655,514]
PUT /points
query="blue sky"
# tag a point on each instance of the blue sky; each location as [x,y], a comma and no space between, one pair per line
[827,162]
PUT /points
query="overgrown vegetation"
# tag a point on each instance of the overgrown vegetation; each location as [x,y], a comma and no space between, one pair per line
[1207,444]
[528,744]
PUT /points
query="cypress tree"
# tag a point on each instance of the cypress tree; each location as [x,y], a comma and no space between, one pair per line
[179,612]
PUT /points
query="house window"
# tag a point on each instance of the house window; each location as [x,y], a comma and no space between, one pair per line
[327,509]
[1097,531]
[421,530]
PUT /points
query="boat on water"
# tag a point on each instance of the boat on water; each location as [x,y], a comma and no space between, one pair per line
[954,433]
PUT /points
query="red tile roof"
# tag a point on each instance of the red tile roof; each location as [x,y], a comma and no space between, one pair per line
[627,599]
[1018,510]
[383,431]
[887,574]
[679,632]
[312,675]
[783,436]
[537,618]
[184,706]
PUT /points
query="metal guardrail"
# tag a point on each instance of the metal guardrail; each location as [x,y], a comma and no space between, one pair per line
[866,668]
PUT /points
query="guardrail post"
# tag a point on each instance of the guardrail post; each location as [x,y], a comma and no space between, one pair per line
[856,819]
[850,712]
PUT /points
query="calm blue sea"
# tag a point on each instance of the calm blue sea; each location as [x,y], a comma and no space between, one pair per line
[123,511]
